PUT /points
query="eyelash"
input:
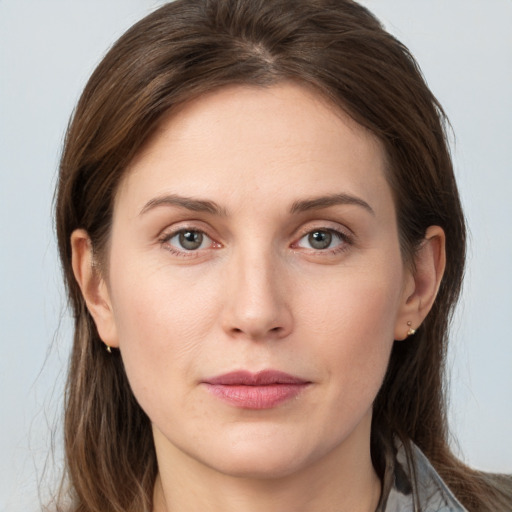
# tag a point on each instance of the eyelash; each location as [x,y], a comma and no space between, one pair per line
[165,239]
[345,241]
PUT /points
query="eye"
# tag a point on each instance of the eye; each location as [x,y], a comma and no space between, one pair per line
[188,240]
[322,239]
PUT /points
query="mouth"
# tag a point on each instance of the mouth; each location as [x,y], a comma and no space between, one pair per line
[261,390]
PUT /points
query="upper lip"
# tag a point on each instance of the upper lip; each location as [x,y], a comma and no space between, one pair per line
[262,378]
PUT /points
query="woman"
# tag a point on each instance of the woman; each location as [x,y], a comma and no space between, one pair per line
[263,243]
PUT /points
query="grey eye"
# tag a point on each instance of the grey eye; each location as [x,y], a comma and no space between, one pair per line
[190,240]
[186,241]
[320,239]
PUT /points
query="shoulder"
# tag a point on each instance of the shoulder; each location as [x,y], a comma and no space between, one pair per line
[416,486]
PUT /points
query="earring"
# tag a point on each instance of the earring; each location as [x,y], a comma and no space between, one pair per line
[411,331]
[108,349]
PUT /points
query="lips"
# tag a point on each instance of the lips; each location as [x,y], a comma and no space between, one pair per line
[262,390]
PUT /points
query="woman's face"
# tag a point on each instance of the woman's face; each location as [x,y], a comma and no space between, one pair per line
[256,232]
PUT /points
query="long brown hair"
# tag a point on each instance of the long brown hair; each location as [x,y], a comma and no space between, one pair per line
[189,47]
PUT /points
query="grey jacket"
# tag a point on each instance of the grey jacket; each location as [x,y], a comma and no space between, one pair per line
[426,493]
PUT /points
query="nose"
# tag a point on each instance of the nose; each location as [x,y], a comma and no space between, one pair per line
[258,302]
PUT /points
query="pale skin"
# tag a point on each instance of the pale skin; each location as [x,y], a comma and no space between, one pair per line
[291,262]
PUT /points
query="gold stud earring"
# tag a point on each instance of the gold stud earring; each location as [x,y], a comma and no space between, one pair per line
[411,331]
[107,347]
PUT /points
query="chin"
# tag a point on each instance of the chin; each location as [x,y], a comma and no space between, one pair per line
[263,453]
[260,464]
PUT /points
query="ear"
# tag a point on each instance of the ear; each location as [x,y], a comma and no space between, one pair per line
[422,282]
[93,286]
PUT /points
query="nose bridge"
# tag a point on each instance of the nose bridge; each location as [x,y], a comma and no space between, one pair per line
[257,305]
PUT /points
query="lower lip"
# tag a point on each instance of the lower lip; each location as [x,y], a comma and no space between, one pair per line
[256,397]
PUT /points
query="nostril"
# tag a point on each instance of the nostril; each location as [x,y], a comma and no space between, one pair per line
[275,330]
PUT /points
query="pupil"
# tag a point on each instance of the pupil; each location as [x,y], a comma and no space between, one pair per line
[191,239]
[320,239]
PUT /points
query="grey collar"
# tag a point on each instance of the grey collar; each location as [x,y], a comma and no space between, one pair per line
[416,486]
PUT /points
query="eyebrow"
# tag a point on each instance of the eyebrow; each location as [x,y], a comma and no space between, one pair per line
[203,205]
[188,203]
[317,203]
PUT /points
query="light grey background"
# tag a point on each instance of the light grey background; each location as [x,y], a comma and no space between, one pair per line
[47,50]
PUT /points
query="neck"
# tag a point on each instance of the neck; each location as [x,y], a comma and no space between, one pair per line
[343,480]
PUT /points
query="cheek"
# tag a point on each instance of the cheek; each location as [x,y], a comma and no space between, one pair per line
[158,306]
[358,304]
[162,321]
[352,319]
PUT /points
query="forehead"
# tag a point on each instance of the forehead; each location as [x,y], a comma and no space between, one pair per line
[239,140]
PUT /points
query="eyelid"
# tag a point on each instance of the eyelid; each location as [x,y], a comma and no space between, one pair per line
[346,236]
[171,231]
[184,225]
[342,239]
[325,225]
